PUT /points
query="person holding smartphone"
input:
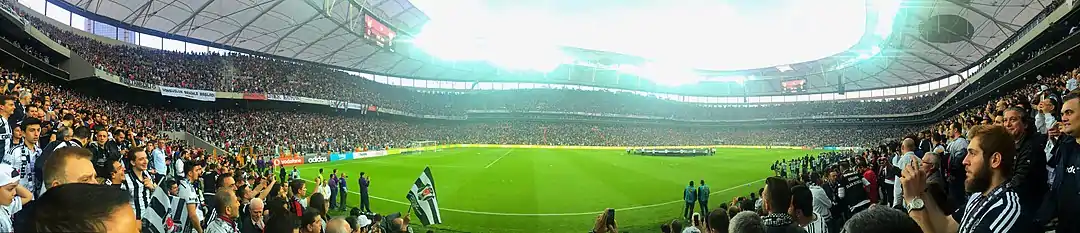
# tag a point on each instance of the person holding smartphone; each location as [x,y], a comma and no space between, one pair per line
[605,222]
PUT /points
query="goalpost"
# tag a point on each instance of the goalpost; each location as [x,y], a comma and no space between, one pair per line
[419,147]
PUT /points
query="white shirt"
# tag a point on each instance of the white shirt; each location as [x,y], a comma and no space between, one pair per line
[7,212]
[1044,121]
[822,203]
[189,195]
[1071,83]
[325,189]
[898,191]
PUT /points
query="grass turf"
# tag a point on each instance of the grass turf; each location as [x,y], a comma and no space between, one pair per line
[554,190]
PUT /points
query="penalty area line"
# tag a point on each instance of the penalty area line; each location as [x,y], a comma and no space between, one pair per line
[555,214]
[500,158]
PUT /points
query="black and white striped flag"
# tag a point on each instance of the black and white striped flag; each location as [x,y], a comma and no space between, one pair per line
[422,197]
[161,205]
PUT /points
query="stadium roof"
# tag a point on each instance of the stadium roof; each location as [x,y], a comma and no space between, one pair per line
[931,38]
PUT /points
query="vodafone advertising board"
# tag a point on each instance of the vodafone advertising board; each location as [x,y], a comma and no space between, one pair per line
[285,161]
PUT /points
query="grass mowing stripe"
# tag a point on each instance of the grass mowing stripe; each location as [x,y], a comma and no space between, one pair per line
[552,214]
[500,158]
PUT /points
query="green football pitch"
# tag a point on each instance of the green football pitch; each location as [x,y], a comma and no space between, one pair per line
[554,190]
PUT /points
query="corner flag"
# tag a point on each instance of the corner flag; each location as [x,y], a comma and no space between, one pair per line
[422,197]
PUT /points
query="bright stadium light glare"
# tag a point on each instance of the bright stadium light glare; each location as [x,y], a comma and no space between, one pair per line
[666,74]
[744,35]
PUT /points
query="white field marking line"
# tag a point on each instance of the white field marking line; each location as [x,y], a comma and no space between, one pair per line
[500,158]
[557,214]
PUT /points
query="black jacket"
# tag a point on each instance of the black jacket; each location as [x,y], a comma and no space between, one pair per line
[1029,170]
[1064,195]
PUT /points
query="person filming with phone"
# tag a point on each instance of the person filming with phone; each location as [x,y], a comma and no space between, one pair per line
[605,222]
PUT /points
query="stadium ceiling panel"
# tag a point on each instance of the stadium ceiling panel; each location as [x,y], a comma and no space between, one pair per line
[934,38]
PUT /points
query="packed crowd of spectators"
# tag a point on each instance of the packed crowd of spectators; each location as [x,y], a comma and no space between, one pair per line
[253,74]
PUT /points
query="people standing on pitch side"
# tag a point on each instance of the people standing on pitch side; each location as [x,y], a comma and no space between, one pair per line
[343,190]
[703,198]
[690,196]
[365,203]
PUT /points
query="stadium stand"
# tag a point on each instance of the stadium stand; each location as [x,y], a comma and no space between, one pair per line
[264,131]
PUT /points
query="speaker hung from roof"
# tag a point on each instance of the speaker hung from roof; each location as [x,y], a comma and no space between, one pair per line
[946,29]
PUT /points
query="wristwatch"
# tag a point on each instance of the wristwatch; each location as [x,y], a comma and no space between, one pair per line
[914,204]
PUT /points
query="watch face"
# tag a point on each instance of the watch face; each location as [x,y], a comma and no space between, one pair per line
[917,203]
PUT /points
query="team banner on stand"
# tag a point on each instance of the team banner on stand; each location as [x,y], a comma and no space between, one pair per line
[282,98]
[254,96]
[199,95]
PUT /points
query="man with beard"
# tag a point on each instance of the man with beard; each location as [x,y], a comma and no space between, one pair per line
[1064,196]
[993,206]
[1029,172]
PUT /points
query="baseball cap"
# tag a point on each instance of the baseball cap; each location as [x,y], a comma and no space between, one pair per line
[8,175]
[363,221]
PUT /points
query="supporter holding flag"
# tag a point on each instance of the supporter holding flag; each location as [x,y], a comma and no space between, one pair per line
[993,206]
[139,183]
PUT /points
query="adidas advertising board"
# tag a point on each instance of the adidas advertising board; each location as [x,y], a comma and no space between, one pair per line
[316,159]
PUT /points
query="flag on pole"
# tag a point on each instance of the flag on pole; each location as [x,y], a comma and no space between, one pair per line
[422,197]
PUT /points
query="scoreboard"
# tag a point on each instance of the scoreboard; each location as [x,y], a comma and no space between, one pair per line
[378,32]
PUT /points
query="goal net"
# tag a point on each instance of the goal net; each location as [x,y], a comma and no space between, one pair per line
[419,147]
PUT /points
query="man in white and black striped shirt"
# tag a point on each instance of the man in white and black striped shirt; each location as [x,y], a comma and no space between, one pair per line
[993,208]
[138,182]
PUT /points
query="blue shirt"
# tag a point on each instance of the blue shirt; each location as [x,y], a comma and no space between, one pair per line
[689,195]
[703,193]
[159,160]
[341,184]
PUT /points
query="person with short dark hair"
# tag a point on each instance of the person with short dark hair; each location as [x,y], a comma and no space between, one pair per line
[138,181]
[311,221]
[282,222]
[993,206]
[365,182]
[717,220]
[77,207]
[689,196]
[190,196]
[111,173]
[1061,201]
[25,154]
[297,202]
[7,108]
[703,197]
[80,136]
[777,198]
[881,220]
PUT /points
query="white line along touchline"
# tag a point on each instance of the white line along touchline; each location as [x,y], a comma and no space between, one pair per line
[559,214]
[500,158]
